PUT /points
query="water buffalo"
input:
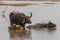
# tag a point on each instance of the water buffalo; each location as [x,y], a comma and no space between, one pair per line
[15,27]
[12,27]
[37,25]
[19,18]
[50,25]
[43,25]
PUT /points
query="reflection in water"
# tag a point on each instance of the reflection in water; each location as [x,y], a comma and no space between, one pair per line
[37,31]
[51,29]
[20,36]
[27,37]
[45,29]
[43,34]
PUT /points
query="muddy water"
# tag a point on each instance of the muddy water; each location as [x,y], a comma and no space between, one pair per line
[41,13]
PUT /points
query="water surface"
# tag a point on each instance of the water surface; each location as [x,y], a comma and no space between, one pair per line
[41,13]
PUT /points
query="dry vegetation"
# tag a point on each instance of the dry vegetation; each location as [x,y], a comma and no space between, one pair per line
[16,4]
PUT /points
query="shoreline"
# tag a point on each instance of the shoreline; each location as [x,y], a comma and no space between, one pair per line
[16,4]
[25,3]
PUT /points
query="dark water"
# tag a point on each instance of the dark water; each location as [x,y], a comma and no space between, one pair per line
[42,12]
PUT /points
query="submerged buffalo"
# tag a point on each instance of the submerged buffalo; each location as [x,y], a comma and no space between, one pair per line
[43,25]
[50,25]
[15,27]
[19,18]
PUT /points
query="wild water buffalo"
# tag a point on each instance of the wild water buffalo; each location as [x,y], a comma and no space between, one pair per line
[50,25]
[12,27]
[42,25]
[37,25]
[15,27]
[19,18]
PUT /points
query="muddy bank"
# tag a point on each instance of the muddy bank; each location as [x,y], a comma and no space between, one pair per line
[16,4]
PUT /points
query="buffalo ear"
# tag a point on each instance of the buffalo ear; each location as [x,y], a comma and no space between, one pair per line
[30,14]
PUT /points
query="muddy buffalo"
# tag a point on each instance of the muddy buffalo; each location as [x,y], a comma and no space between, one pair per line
[19,18]
[50,25]
[43,25]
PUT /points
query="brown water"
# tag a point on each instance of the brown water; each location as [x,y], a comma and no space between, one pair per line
[42,12]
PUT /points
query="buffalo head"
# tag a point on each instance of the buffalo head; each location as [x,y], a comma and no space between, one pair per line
[27,19]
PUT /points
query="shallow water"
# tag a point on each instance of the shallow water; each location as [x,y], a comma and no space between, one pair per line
[41,13]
